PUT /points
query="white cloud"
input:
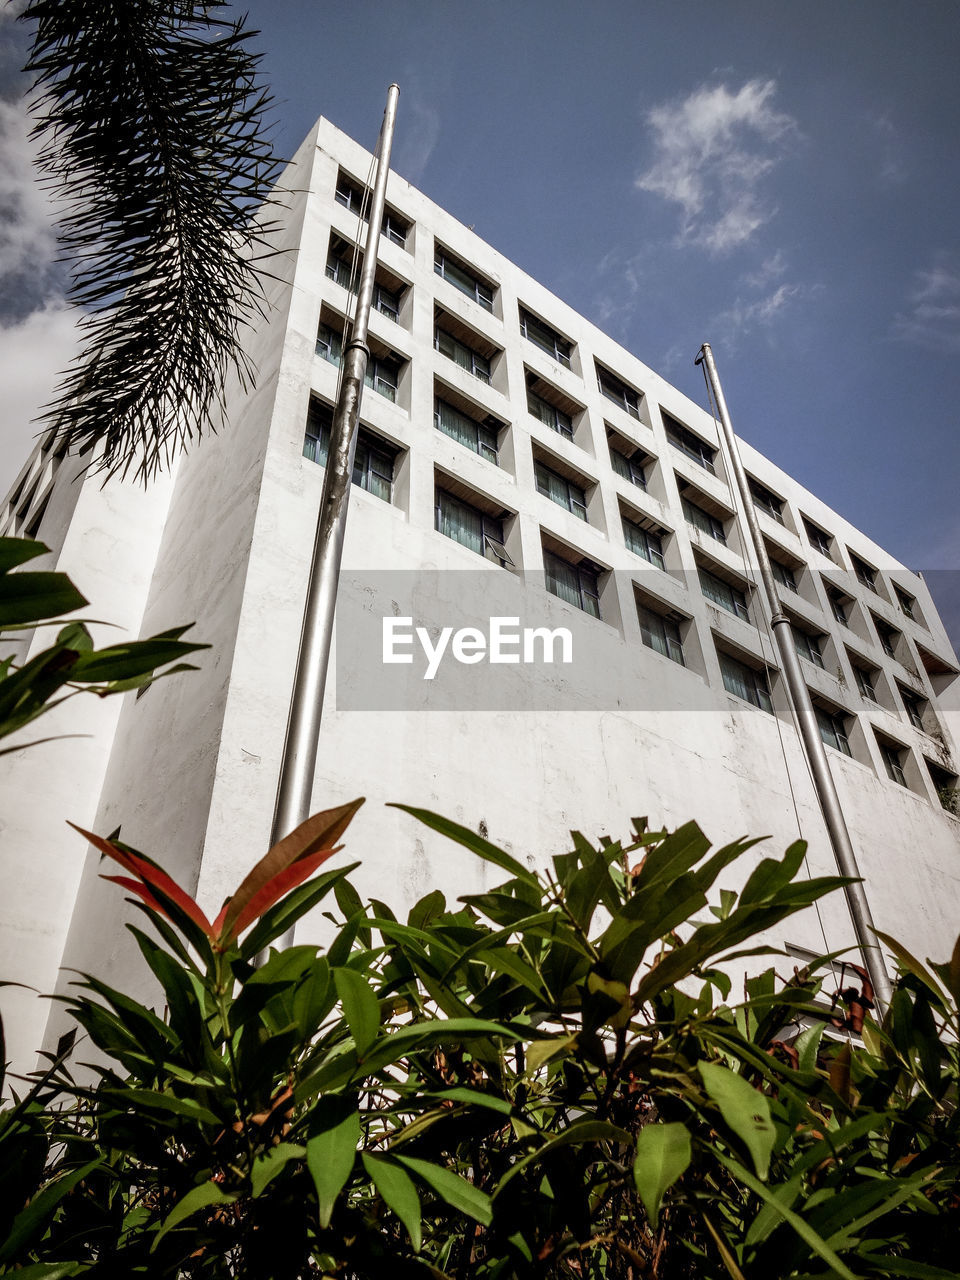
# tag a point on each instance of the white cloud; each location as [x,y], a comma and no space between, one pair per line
[420,135]
[712,151]
[750,315]
[32,354]
[27,238]
[932,319]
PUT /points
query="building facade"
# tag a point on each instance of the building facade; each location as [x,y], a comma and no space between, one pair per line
[513,462]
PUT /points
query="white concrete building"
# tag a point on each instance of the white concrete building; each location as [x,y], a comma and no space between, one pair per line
[514,461]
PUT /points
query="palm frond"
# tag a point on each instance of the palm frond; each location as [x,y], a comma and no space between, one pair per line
[151,119]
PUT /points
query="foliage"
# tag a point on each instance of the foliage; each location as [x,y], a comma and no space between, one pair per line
[150,114]
[546,1080]
[71,665]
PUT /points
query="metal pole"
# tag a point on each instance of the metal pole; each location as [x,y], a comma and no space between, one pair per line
[306,703]
[813,746]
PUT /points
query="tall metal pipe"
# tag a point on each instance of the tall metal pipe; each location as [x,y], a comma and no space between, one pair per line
[306,702]
[816,754]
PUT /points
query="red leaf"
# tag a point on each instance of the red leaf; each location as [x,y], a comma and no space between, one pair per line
[150,875]
[274,890]
[319,832]
[136,887]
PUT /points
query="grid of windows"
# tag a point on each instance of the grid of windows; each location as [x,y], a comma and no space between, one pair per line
[578,584]
[745,682]
[644,542]
[683,438]
[808,646]
[461,354]
[612,387]
[660,633]
[455,273]
[703,520]
[547,339]
[723,593]
[833,730]
[550,415]
[561,490]
[470,527]
[456,518]
[479,436]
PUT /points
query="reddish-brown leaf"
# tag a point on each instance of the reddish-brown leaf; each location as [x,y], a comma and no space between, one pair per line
[140,889]
[317,833]
[151,875]
[274,890]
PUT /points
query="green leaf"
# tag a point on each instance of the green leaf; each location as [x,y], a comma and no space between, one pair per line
[331,1154]
[31,597]
[540,1052]
[37,1214]
[745,1110]
[470,840]
[265,1168]
[893,1267]
[360,1007]
[398,1191]
[911,964]
[456,1191]
[202,1197]
[803,1230]
[663,1154]
[17,551]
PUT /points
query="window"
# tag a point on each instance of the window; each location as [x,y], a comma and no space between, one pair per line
[338,269]
[547,339]
[808,646]
[866,574]
[683,439]
[462,278]
[887,635]
[784,575]
[470,527]
[643,542]
[838,604]
[373,465]
[722,593]
[945,785]
[660,633]
[833,730]
[703,520]
[745,682]
[351,195]
[907,603]
[578,584]
[819,540]
[766,500]
[617,391]
[316,441]
[549,415]
[462,355]
[893,758]
[561,490]
[481,437]
[382,374]
[631,468]
[913,706]
[329,344]
[387,302]
[865,683]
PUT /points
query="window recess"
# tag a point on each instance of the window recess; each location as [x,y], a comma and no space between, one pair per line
[472,519]
[689,444]
[549,405]
[464,278]
[468,424]
[620,392]
[571,576]
[628,459]
[546,338]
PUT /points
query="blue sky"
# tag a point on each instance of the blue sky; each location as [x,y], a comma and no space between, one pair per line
[781,181]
